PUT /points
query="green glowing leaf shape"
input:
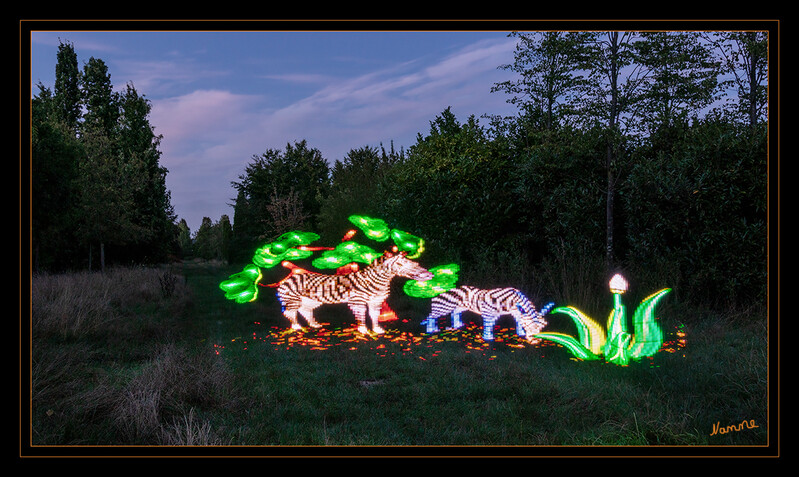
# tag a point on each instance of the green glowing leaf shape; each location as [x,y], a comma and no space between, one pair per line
[444,278]
[296,254]
[375,229]
[344,253]
[591,334]
[265,258]
[292,239]
[575,347]
[648,335]
[409,243]
[281,249]
[242,287]
[330,259]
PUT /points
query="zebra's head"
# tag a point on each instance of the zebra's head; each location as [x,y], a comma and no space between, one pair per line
[532,321]
[400,265]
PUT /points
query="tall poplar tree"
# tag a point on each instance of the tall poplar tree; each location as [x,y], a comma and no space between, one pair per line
[109,181]
[55,154]
[138,145]
[67,96]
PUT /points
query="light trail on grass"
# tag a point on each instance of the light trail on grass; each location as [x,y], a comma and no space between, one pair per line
[404,343]
[390,343]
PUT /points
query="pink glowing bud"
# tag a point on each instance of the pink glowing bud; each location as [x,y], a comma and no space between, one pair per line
[618,284]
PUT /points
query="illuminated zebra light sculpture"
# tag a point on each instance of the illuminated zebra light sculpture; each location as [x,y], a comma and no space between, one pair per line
[490,304]
[364,290]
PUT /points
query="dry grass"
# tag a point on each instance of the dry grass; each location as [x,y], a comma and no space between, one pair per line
[107,353]
[189,431]
[83,303]
[159,394]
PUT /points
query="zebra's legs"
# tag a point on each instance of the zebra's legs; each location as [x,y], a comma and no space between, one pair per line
[456,319]
[489,320]
[432,324]
[374,315]
[307,312]
[291,314]
[359,310]
[432,321]
[519,328]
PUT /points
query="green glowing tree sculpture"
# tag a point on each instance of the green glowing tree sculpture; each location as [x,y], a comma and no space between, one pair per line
[616,344]
[242,287]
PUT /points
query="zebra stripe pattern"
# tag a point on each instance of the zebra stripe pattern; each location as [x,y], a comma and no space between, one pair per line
[490,305]
[364,290]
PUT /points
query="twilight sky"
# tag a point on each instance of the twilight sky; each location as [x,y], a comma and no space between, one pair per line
[220,98]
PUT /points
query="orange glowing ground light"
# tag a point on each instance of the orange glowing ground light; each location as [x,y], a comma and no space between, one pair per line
[395,343]
[391,343]
[678,344]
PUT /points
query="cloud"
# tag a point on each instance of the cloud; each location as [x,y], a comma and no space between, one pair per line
[398,102]
[300,78]
[164,77]
[201,117]
[210,135]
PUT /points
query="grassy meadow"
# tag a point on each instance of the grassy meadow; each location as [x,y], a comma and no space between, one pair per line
[158,357]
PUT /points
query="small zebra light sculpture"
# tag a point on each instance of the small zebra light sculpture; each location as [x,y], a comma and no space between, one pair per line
[490,304]
[363,290]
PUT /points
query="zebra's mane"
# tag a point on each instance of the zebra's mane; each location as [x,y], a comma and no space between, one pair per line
[382,259]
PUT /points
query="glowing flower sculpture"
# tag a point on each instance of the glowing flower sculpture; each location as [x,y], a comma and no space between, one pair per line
[618,345]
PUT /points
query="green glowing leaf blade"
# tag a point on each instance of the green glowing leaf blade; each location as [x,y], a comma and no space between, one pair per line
[589,332]
[648,334]
[357,252]
[419,289]
[616,348]
[296,238]
[265,257]
[264,261]
[275,252]
[570,343]
[617,320]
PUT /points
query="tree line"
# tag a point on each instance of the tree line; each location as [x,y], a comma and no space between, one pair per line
[98,190]
[643,151]
[646,151]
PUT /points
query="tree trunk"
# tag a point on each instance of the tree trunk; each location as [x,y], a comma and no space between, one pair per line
[102,257]
[611,149]
[609,256]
